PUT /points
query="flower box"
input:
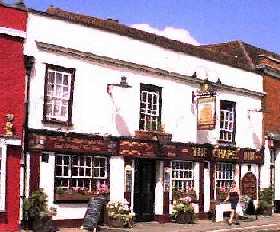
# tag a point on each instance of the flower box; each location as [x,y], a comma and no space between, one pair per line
[72,197]
[153,135]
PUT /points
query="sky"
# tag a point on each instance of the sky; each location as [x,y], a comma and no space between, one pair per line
[195,21]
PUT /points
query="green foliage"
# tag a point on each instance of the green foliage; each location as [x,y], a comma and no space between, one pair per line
[34,205]
[265,200]
[182,208]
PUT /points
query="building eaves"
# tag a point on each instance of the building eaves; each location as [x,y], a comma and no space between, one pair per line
[161,41]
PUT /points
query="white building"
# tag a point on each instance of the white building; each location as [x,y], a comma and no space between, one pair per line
[97,90]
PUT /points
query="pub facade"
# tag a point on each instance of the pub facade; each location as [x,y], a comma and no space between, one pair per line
[100,114]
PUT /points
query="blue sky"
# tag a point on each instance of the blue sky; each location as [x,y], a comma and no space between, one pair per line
[208,21]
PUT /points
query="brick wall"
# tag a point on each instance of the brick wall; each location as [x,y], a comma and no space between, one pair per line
[13,18]
[271,104]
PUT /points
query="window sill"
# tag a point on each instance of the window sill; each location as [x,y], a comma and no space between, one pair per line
[153,135]
[57,122]
[226,143]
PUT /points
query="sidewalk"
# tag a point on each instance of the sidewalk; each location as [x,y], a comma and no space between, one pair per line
[262,224]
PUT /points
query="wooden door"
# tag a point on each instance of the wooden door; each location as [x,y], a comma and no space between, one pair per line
[144,189]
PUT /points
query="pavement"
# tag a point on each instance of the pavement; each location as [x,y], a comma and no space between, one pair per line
[268,224]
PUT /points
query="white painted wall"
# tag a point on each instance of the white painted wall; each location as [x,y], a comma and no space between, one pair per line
[159,188]
[207,188]
[53,31]
[265,169]
[277,175]
[116,178]
[64,211]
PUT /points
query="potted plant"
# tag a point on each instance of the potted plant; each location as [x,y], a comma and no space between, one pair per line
[221,194]
[182,211]
[119,214]
[182,193]
[36,215]
[265,202]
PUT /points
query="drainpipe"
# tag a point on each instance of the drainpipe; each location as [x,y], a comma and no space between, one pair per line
[29,61]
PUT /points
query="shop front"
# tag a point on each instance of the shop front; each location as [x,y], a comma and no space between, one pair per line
[148,174]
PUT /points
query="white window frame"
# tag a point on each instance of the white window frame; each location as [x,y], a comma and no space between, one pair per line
[150,113]
[222,180]
[3,171]
[176,174]
[61,100]
[70,177]
[227,132]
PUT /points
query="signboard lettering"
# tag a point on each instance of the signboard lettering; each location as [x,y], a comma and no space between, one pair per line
[226,154]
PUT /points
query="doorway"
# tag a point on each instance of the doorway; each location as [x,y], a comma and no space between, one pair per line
[144,189]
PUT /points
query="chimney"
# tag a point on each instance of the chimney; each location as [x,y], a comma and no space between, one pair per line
[20,4]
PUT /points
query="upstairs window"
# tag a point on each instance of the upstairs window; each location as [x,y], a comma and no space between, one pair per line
[227,121]
[2,178]
[150,107]
[58,94]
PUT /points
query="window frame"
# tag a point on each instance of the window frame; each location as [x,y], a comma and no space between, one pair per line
[3,177]
[153,89]
[233,121]
[187,179]
[233,172]
[70,177]
[71,71]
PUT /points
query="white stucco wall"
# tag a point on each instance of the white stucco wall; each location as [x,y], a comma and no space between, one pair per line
[94,111]
[53,31]
[265,168]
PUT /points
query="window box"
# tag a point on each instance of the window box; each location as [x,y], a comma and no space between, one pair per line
[153,135]
[72,197]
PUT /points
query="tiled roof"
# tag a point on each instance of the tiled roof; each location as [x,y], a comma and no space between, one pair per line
[115,27]
[244,51]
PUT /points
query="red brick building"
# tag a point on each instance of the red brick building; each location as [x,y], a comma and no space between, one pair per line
[12,88]
[268,64]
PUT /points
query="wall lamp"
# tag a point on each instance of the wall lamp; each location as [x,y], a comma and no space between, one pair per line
[123,84]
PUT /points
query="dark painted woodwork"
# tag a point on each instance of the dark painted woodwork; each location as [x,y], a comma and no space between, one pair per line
[201,187]
[144,189]
[249,185]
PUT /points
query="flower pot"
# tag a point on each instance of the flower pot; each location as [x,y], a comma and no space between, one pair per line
[184,218]
[267,211]
[115,222]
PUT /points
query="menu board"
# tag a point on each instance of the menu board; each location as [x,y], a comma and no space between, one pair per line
[249,185]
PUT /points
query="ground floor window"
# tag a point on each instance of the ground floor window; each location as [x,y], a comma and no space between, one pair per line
[225,173]
[80,172]
[182,175]
[2,178]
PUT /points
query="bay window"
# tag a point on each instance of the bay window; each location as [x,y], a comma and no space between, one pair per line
[80,172]
[59,83]
[150,107]
[182,175]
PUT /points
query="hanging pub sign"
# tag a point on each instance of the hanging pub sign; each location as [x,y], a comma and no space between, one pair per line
[206,113]
[251,156]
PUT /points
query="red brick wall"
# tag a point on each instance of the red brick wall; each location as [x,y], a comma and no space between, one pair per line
[9,221]
[12,82]
[13,18]
[271,104]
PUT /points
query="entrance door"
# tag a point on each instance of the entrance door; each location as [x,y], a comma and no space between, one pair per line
[144,189]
